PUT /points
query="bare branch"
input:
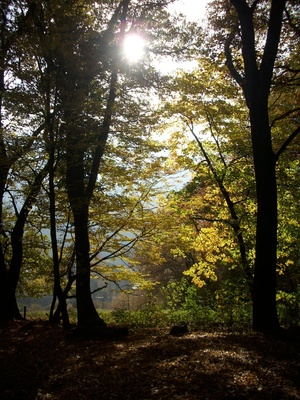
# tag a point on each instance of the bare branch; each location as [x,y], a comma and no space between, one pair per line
[105,127]
[273,37]
[99,288]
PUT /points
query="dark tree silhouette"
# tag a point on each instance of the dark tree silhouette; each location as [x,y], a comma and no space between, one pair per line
[256,80]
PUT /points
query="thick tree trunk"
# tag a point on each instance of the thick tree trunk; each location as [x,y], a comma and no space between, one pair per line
[264,286]
[79,201]
[79,194]
[86,311]
[8,304]
[9,309]
[256,84]
[6,313]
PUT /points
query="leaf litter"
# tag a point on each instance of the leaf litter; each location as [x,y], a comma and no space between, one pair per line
[40,361]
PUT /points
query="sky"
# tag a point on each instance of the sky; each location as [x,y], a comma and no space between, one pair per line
[193,9]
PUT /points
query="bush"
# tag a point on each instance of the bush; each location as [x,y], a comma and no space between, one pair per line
[207,308]
[288,307]
[148,317]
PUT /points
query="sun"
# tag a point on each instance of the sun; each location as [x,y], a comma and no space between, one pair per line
[134,47]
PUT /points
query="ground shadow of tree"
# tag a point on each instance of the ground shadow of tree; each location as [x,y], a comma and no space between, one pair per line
[40,362]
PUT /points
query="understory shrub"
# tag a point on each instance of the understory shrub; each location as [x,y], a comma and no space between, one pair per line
[288,307]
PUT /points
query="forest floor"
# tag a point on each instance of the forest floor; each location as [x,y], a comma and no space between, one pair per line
[39,361]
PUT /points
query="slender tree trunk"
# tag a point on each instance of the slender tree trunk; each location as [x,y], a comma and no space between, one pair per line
[17,240]
[57,289]
[235,224]
[5,313]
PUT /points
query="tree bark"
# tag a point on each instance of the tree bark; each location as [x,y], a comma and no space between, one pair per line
[264,285]
[86,311]
[256,84]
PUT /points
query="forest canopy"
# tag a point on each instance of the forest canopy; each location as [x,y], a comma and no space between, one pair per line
[178,188]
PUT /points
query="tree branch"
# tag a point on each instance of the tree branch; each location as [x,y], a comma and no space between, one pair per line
[99,288]
[294,26]
[229,61]
[286,143]
[282,116]
[271,47]
[104,130]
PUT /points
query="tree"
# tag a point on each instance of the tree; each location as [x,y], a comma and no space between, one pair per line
[209,143]
[266,88]
[256,81]
[81,50]
[81,178]
[255,35]
[13,149]
[217,155]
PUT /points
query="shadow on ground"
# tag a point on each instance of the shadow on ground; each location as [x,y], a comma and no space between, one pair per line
[38,361]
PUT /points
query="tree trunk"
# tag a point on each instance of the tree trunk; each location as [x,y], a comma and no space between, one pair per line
[79,195]
[256,84]
[86,311]
[62,311]
[264,285]
[5,313]
[79,202]
[17,240]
